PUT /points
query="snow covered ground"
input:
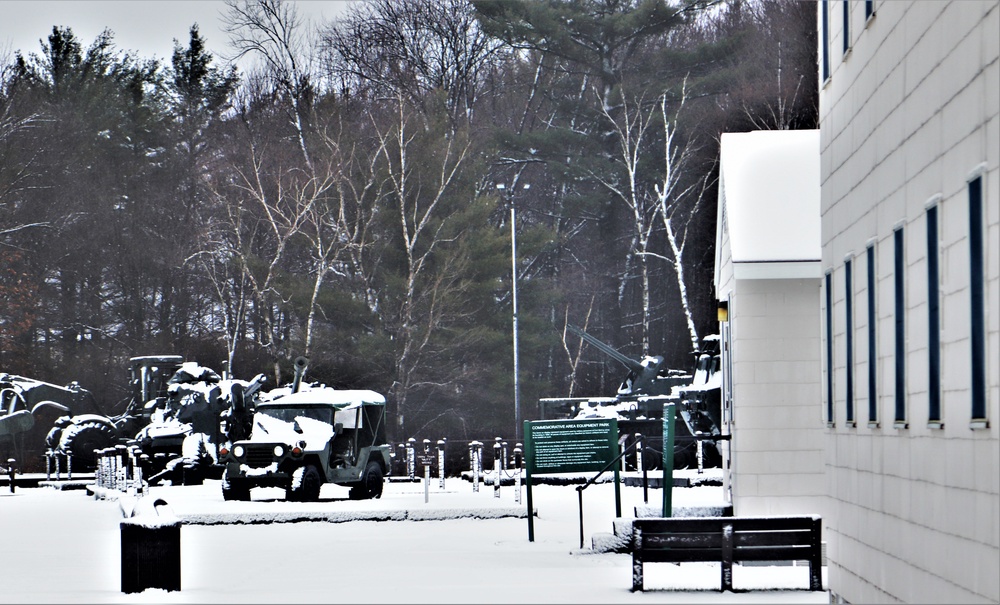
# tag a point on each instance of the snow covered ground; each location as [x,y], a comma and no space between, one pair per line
[458,546]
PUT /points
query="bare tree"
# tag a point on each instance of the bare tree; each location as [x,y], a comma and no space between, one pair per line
[273,31]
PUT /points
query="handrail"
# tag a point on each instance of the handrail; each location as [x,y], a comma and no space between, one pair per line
[580,488]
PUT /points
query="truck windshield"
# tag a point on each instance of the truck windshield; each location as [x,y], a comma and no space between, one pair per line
[289,414]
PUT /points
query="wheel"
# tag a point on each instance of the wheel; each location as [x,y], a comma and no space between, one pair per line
[306,483]
[370,485]
[80,441]
[235,489]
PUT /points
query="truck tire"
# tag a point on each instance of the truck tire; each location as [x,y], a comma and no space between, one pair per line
[80,441]
[370,485]
[235,490]
[308,488]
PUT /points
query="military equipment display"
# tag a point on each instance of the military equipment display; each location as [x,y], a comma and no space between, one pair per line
[303,437]
[638,403]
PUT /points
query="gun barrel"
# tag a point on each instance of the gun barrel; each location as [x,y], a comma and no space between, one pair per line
[628,362]
[301,364]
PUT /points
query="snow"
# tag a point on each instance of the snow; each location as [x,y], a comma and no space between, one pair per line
[417,544]
[770,183]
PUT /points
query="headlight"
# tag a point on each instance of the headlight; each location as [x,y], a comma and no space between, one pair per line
[238,451]
[278,450]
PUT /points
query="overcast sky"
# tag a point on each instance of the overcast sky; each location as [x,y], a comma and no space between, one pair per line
[148,27]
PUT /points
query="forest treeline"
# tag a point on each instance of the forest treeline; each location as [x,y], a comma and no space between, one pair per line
[350,198]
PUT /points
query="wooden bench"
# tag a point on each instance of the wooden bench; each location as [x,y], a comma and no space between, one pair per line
[727,539]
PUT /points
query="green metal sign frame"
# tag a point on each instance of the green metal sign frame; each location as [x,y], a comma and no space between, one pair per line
[568,446]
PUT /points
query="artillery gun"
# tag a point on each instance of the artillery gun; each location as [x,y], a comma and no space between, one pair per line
[648,385]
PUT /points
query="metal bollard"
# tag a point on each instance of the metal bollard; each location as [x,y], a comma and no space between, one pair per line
[503,458]
[69,466]
[475,462]
[10,473]
[411,454]
[57,467]
[638,452]
[48,464]
[518,461]
[440,461]
[701,452]
[496,468]
[621,448]
[121,459]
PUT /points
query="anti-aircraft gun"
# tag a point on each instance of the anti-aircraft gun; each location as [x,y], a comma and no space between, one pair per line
[648,385]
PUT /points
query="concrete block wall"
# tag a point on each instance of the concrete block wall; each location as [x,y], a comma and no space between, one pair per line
[908,116]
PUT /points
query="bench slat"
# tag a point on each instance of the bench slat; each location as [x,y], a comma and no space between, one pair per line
[727,539]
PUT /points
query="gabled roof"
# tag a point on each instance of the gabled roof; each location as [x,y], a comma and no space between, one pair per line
[769,201]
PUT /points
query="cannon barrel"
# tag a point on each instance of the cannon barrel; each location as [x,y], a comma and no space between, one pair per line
[301,364]
[632,364]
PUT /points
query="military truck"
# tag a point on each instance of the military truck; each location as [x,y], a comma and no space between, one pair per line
[303,439]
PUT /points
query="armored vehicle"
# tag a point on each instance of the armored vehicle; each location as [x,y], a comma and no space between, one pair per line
[309,437]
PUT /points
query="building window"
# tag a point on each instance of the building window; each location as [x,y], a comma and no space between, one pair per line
[847,25]
[933,320]
[977,287]
[869,9]
[849,331]
[899,268]
[825,54]
[872,340]
[829,349]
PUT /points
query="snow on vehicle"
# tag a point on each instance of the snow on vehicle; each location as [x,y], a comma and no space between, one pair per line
[308,437]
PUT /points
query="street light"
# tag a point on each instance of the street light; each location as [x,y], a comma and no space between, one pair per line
[513,299]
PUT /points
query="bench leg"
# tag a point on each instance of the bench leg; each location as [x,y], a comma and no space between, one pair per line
[815,575]
[636,573]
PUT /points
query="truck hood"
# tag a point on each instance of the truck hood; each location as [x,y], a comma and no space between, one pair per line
[267,429]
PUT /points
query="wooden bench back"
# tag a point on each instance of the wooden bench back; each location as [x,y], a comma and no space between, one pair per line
[684,539]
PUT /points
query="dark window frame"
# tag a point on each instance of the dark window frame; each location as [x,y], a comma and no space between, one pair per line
[899,304]
[825,38]
[872,338]
[829,349]
[849,341]
[932,215]
[847,26]
[977,296]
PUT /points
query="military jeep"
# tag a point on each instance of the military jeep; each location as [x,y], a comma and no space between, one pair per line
[307,438]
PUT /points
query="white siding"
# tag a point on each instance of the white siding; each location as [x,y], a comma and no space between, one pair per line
[907,115]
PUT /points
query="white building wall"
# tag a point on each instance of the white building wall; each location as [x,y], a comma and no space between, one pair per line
[777,460]
[906,117]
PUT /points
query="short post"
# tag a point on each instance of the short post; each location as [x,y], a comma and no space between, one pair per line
[496,468]
[69,466]
[621,448]
[503,457]
[701,451]
[120,460]
[638,451]
[475,462]
[143,463]
[518,460]
[151,551]
[10,473]
[440,461]
[57,467]
[48,464]
[411,453]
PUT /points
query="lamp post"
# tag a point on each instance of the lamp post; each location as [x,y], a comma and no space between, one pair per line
[513,299]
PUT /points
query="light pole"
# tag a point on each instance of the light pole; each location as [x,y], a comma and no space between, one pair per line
[513,300]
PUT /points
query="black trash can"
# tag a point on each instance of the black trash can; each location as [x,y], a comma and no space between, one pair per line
[151,552]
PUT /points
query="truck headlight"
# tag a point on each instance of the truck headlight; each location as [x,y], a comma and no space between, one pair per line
[238,451]
[279,451]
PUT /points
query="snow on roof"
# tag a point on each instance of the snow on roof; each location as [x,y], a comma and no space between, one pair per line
[770,193]
[329,396]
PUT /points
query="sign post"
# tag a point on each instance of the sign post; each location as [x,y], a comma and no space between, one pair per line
[569,446]
[668,458]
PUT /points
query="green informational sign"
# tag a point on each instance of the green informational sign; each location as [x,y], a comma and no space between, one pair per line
[571,446]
